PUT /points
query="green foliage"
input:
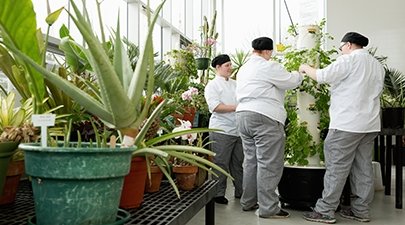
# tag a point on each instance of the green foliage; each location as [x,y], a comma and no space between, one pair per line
[299,144]
[183,63]
[12,116]
[393,95]
[238,59]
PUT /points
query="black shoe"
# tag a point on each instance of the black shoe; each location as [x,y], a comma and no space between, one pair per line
[254,207]
[238,196]
[280,215]
[221,200]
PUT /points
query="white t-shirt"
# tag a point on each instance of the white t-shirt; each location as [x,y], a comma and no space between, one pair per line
[261,86]
[356,81]
[219,90]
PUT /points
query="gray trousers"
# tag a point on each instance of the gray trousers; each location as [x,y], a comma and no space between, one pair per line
[348,153]
[229,156]
[263,144]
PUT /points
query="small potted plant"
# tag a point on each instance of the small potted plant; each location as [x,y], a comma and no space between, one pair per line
[203,50]
[15,127]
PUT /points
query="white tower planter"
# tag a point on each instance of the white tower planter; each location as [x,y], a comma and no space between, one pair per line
[307,39]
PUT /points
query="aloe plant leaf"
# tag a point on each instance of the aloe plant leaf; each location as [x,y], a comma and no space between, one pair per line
[139,78]
[113,96]
[122,65]
[81,97]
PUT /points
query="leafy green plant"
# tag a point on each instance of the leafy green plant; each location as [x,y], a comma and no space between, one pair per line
[238,59]
[393,95]
[299,144]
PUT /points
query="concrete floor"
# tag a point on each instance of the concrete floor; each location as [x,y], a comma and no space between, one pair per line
[383,212]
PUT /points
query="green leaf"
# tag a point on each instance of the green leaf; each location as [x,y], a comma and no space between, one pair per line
[18,29]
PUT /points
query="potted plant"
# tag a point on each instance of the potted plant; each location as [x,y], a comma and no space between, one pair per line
[15,127]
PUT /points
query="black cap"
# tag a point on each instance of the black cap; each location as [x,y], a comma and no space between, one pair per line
[220,59]
[355,38]
[262,43]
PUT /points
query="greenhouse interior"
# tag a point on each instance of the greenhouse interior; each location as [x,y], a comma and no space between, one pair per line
[202,112]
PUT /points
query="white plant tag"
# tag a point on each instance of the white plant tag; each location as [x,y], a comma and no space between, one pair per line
[43,121]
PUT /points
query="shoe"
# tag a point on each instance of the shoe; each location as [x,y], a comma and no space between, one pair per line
[238,196]
[317,217]
[280,215]
[221,200]
[254,207]
[348,214]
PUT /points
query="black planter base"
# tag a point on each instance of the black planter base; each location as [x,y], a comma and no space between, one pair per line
[300,187]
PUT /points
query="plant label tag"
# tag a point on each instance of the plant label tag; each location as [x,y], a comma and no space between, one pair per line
[40,120]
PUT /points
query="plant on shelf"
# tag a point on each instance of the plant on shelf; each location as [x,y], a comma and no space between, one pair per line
[307,121]
[393,96]
[208,39]
[15,127]
[203,50]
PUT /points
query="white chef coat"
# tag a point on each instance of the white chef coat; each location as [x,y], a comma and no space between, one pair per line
[219,90]
[261,86]
[356,81]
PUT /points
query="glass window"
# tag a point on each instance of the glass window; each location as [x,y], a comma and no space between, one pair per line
[244,22]
[178,15]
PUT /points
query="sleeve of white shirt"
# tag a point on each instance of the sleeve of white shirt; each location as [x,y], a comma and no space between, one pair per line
[212,97]
[282,79]
[335,72]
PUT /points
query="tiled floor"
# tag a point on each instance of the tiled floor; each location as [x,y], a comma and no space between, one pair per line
[383,213]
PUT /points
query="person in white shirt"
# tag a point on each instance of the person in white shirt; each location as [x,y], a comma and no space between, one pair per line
[260,90]
[220,97]
[356,81]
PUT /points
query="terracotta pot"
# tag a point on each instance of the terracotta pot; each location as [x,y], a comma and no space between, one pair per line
[189,114]
[153,185]
[201,177]
[13,176]
[134,184]
[185,176]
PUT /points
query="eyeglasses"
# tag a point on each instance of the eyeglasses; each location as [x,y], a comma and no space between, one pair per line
[341,46]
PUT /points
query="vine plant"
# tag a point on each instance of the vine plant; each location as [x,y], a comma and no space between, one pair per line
[299,143]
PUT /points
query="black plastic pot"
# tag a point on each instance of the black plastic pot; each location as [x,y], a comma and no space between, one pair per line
[300,187]
[392,118]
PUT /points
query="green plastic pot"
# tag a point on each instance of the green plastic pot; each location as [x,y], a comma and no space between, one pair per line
[202,63]
[7,149]
[76,185]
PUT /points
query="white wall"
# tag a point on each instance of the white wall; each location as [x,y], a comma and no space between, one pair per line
[382,21]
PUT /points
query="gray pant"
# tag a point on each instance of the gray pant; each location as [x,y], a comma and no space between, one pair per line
[348,153]
[263,144]
[229,156]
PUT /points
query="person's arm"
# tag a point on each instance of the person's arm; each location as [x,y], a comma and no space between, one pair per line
[222,108]
[309,71]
